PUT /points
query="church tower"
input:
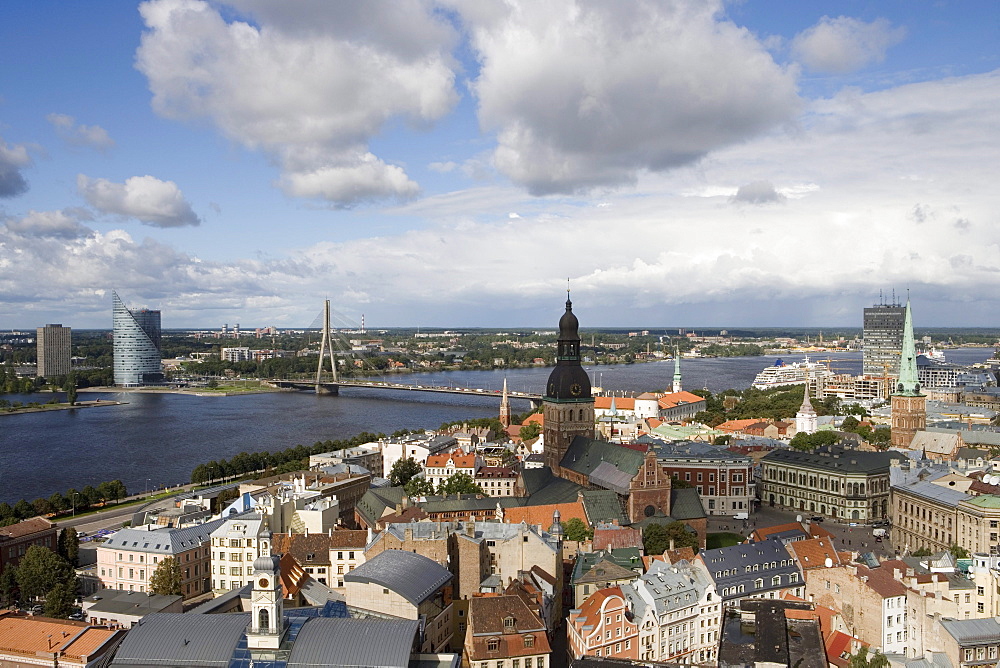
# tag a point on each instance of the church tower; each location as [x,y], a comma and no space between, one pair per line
[267,625]
[505,412]
[908,405]
[677,370]
[567,406]
[806,420]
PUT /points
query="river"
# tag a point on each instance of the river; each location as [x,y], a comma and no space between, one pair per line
[156,439]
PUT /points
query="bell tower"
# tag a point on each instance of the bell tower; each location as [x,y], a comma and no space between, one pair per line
[267,625]
[567,406]
[908,406]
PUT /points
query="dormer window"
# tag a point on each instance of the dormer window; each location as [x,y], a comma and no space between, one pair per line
[508,623]
[529,641]
[492,645]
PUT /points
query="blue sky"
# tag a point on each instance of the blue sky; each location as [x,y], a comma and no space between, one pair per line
[452,163]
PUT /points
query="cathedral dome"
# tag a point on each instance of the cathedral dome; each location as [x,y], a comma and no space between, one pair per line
[568,381]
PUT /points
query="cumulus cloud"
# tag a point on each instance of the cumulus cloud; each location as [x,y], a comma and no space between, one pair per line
[63,224]
[145,198]
[845,44]
[93,136]
[585,95]
[13,158]
[309,83]
[758,192]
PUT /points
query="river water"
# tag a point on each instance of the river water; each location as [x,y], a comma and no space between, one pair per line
[156,439]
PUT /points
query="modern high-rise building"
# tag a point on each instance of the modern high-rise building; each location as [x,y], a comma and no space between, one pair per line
[136,345]
[883,339]
[54,351]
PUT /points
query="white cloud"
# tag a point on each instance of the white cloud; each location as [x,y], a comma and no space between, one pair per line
[310,84]
[845,44]
[758,192]
[13,158]
[63,224]
[145,198]
[93,136]
[588,95]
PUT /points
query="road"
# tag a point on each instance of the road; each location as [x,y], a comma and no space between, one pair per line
[846,537]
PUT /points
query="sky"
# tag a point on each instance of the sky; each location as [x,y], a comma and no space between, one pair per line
[453,163]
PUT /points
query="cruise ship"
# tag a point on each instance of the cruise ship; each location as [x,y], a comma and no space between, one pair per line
[796,373]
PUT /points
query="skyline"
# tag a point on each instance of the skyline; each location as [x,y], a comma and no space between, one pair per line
[450,163]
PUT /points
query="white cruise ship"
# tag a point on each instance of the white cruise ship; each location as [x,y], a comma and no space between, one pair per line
[796,373]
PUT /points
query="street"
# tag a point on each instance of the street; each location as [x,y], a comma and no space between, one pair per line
[857,538]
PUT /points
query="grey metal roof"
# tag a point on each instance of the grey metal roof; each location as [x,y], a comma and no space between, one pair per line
[835,459]
[697,450]
[685,504]
[742,564]
[608,476]
[972,631]
[354,642]
[163,541]
[934,492]
[114,601]
[602,505]
[670,587]
[584,455]
[372,505]
[412,576]
[169,639]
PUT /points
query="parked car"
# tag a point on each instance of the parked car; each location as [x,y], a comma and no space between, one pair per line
[816,518]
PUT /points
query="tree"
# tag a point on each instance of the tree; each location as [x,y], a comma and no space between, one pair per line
[40,570]
[922,552]
[61,599]
[23,510]
[69,545]
[71,391]
[166,579]
[860,659]
[8,586]
[459,483]
[402,471]
[529,431]
[576,529]
[656,537]
[418,486]
[958,551]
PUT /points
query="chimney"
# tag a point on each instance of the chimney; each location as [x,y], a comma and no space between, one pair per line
[408,533]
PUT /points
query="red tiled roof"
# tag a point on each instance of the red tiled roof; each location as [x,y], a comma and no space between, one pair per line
[621,403]
[26,527]
[542,515]
[676,398]
[535,417]
[615,538]
[458,458]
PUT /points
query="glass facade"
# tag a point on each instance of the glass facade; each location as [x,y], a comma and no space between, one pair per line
[136,345]
[883,339]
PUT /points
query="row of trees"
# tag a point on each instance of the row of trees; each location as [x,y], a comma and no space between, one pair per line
[404,473]
[775,403]
[289,459]
[80,500]
[44,574]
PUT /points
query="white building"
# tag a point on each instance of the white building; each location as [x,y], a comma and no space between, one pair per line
[235,354]
[235,546]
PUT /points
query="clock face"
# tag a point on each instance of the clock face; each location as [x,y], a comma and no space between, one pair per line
[575,389]
[263,582]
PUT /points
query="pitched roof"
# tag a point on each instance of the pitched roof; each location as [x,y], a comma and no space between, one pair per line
[542,514]
[332,641]
[790,529]
[685,504]
[585,455]
[26,527]
[31,636]
[813,552]
[374,503]
[672,399]
[169,639]
[412,576]
[458,458]
[603,506]
[535,417]
[610,537]
[621,403]
[167,541]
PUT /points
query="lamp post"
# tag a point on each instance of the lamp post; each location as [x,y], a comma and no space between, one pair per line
[75,494]
[148,480]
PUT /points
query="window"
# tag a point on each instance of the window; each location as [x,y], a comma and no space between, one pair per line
[492,645]
[529,641]
[508,622]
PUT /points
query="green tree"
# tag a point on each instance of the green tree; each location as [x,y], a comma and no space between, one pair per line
[166,579]
[922,552]
[860,659]
[69,545]
[71,391]
[42,506]
[529,431]
[656,537]
[8,586]
[23,510]
[58,502]
[39,571]
[402,471]
[459,483]
[61,599]
[576,529]
[418,486]
[958,551]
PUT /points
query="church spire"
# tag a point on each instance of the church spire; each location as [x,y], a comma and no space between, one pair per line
[909,385]
[677,370]
[505,411]
[806,420]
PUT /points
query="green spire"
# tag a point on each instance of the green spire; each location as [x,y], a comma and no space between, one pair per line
[908,385]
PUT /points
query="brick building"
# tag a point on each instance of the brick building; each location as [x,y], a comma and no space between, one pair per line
[15,539]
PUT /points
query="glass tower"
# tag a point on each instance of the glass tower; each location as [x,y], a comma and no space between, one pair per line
[136,345]
[883,339]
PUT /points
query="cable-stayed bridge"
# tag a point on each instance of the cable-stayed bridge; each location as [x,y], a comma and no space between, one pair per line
[327,382]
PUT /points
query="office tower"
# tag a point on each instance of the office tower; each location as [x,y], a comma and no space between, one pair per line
[54,351]
[136,345]
[908,406]
[883,339]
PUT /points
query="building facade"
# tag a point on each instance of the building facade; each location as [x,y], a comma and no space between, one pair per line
[833,481]
[724,479]
[136,345]
[883,339]
[54,351]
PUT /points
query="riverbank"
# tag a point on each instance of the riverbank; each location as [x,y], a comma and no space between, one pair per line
[45,408]
[225,391]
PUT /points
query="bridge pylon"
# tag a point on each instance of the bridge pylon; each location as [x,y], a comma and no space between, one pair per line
[326,347]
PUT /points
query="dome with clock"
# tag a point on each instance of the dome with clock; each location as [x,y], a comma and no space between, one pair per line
[568,380]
